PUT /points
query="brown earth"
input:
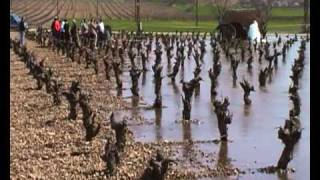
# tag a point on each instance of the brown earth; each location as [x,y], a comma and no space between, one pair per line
[41,12]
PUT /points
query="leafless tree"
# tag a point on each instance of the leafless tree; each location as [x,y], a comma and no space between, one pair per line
[197,12]
[306,15]
[264,6]
[222,6]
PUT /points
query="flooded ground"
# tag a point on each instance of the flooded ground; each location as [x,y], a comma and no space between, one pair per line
[253,131]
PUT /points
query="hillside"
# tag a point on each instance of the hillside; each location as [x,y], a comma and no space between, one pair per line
[165,15]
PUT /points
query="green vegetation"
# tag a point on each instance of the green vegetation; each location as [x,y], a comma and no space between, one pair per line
[287,20]
[287,12]
[292,26]
[163,25]
[205,10]
[209,10]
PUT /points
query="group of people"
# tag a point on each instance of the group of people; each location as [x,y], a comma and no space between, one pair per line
[61,29]
[94,29]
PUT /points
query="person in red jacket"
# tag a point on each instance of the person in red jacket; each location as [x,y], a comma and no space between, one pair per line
[57,27]
[52,27]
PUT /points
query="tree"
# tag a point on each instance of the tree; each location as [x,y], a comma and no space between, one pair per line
[264,6]
[306,15]
[222,6]
[197,12]
[137,16]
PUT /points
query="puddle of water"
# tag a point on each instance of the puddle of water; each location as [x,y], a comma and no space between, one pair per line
[253,130]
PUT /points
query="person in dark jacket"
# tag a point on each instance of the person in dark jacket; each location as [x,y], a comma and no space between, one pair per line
[93,32]
[22,31]
[66,30]
[74,33]
[108,32]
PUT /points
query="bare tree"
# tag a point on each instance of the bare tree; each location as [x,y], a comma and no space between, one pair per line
[306,15]
[197,12]
[222,6]
[137,11]
[57,7]
[264,6]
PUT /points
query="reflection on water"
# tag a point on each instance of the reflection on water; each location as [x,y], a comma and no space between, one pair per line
[175,88]
[135,104]
[282,175]
[253,128]
[144,78]
[181,71]
[223,159]
[234,83]
[188,147]
[270,79]
[246,110]
[158,115]
[186,130]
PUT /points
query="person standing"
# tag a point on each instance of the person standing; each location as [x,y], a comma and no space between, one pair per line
[52,26]
[22,31]
[62,31]
[101,32]
[84,31]
[66,29]
[60,34]
[101,26]
[108,33]
[57,27]
[84,27]
[74,33]
[93,31]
